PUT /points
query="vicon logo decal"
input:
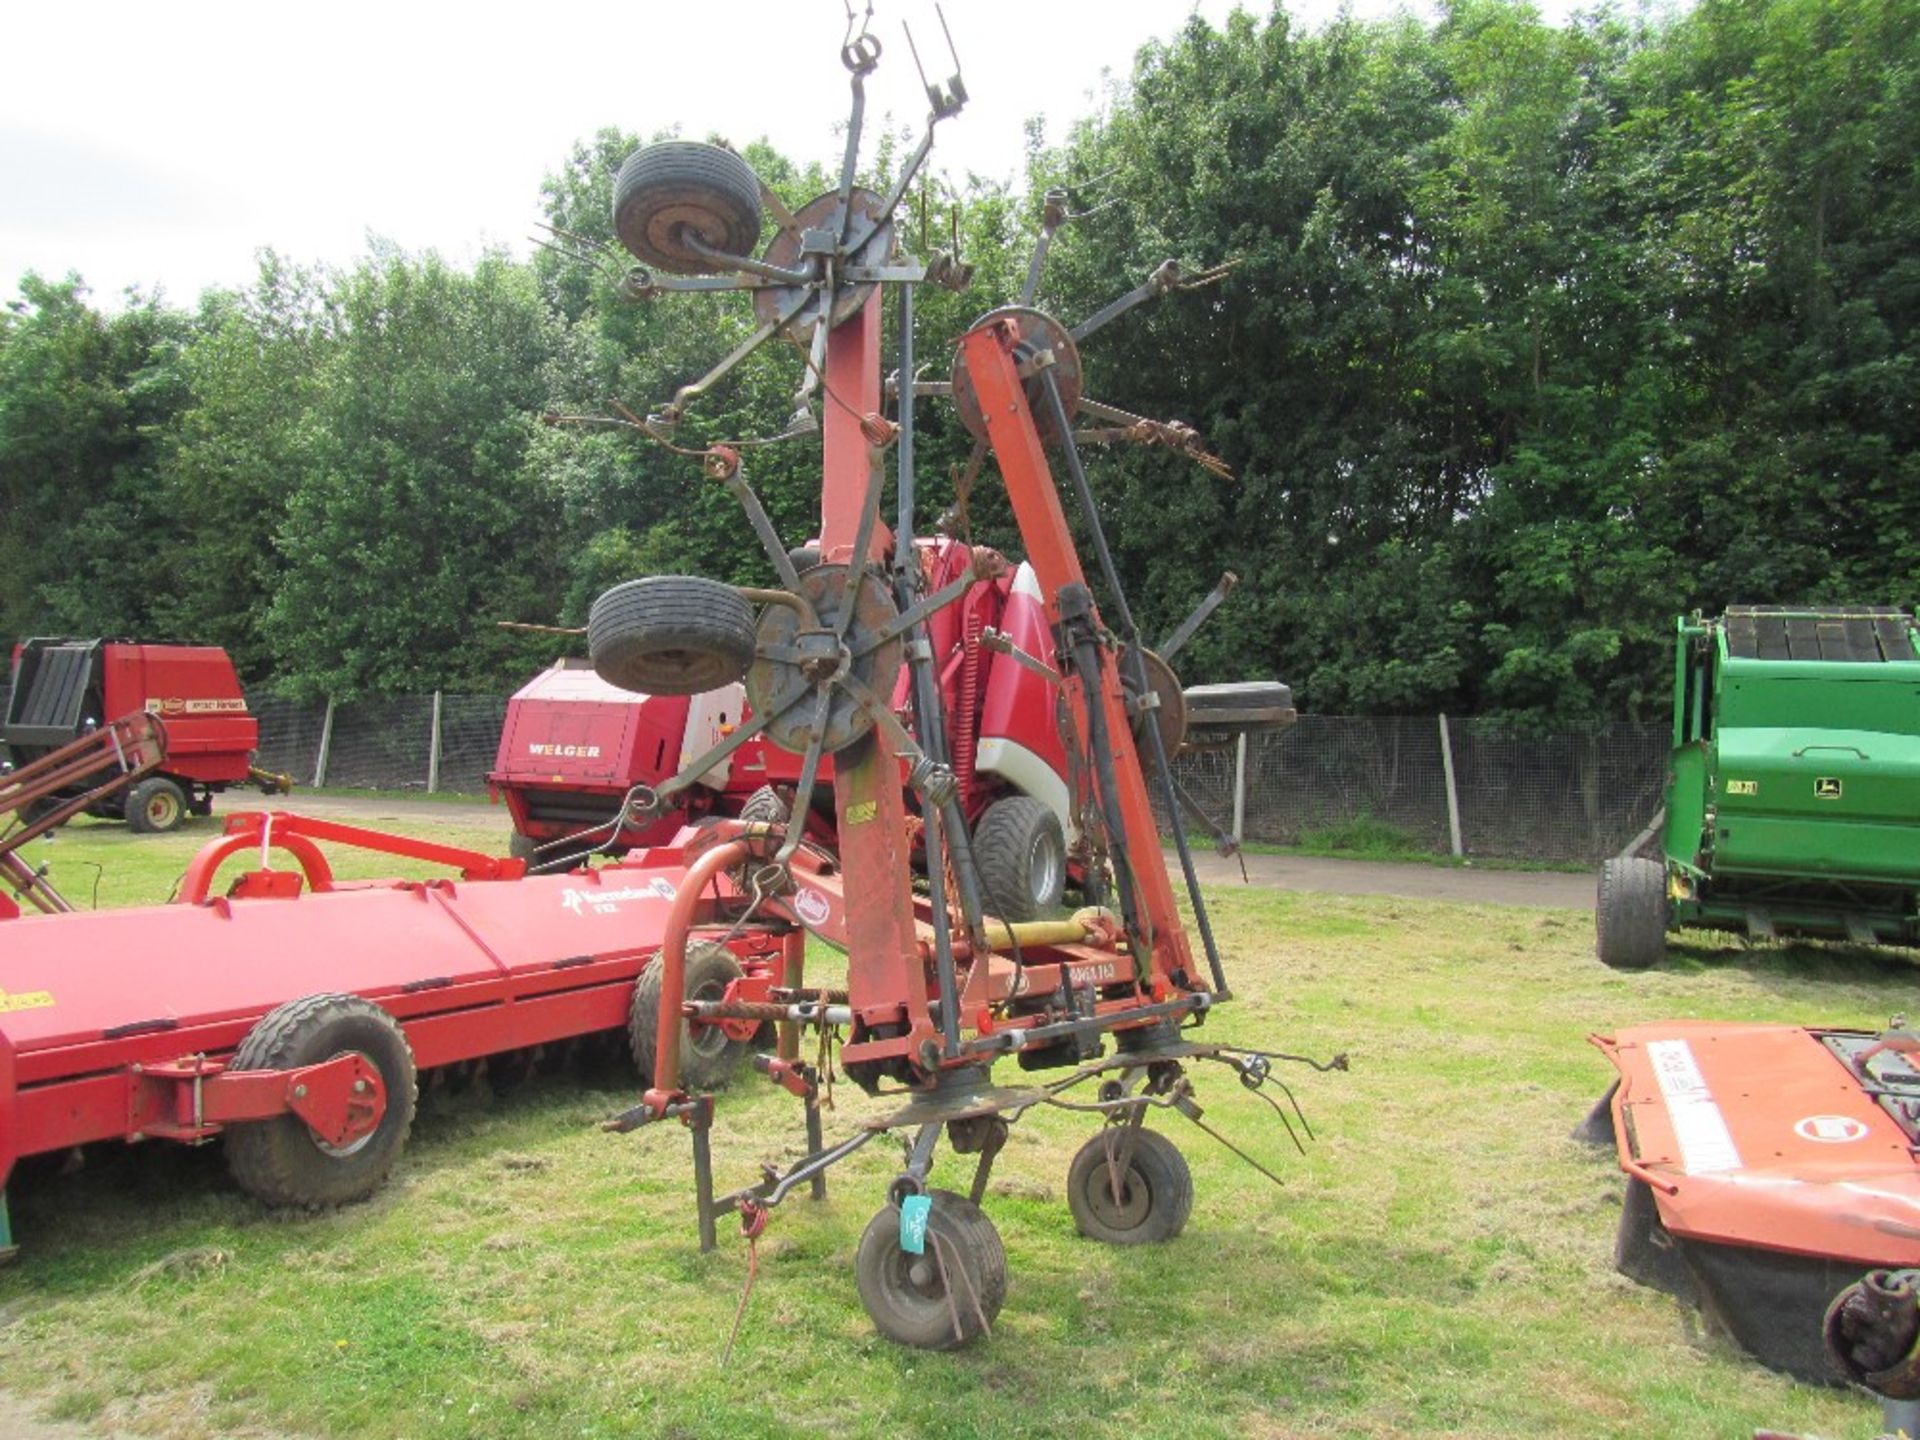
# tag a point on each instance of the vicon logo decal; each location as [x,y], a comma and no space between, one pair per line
[567,752]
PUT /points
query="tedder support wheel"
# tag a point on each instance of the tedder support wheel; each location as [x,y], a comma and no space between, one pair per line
[1630,926]
[155,806]
[1155,1188]
[945,1296]
[671,635]
[283,1162]
[708,1057]
[678,190]
[1022,857]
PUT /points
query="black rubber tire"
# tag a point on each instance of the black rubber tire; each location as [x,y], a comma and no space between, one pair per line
[710,192]
[707,1057]
[1630,920]
[155,806]
[280,1161]
[40,809]
[1021,854]
[804,558]
[671,635]
[918,1314]
[765,807]
[1156,1193]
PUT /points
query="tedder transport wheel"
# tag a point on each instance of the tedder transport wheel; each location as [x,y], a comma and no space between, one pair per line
[680,189]
[155,806]
[708,1057]
[1156,1189]
[1631,919]
[671,635]
[283,1162]
[943,1297]
[1022,857]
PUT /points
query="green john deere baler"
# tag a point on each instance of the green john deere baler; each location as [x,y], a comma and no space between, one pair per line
[1793,790]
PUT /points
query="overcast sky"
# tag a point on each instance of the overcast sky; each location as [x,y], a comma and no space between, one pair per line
[163,146]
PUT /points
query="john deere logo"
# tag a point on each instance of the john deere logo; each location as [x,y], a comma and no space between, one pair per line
[1827,787]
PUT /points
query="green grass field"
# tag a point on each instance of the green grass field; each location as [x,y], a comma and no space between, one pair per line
[1438,1263]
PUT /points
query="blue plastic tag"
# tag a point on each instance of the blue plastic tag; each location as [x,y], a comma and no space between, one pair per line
[914,1211]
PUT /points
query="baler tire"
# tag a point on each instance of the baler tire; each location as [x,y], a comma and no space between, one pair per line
[1630,918]
[677,184]
[280,1161]
[765,807]
[155,806]
[1021,853]
[708,1062]
[671,635]
[1156,1192]
[921,1314]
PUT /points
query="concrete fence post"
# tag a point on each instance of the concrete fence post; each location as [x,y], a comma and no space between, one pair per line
[433,749]
[326,746]
[1240,788]
[1453,792]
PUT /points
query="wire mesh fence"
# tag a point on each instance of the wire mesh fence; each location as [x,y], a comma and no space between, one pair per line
[1367,781]
[1382,782]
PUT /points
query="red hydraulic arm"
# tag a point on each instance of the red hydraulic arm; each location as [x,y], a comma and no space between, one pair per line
[988,355]
[122,752]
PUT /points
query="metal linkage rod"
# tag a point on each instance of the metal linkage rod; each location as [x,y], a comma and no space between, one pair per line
[926,716]
[1130,655]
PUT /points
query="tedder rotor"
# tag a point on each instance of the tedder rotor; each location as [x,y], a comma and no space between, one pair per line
[836,663]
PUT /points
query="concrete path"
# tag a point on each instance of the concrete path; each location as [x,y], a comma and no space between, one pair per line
[1548,889]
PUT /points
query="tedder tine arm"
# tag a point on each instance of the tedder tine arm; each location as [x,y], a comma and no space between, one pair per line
[740,352]
[725,467]
[1166,278]
[1174,643]
[809,768]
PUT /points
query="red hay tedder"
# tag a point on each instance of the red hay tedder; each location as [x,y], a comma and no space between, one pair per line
[291,1013]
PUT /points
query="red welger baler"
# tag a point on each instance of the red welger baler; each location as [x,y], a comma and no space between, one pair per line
[63,688]
[573,746]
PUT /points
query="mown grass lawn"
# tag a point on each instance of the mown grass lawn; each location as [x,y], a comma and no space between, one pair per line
[1439,1263]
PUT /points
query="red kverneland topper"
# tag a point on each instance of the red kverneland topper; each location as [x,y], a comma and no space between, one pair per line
[1769,1167]
[938,989]
[292,1013]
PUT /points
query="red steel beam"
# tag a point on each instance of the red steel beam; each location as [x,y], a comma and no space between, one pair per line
[988,354]
[886,979]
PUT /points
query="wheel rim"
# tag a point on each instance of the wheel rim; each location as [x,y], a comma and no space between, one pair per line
[1044,870]
[707,1041]
[162,809]
[912,1282]
[1134,1205]
[358,1143]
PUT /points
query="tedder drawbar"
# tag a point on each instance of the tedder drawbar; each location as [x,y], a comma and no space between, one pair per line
[937,991]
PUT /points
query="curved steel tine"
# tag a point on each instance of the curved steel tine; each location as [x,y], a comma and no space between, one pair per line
[1215,1134]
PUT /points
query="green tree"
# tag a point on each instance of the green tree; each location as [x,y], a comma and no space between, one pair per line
[416,522]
